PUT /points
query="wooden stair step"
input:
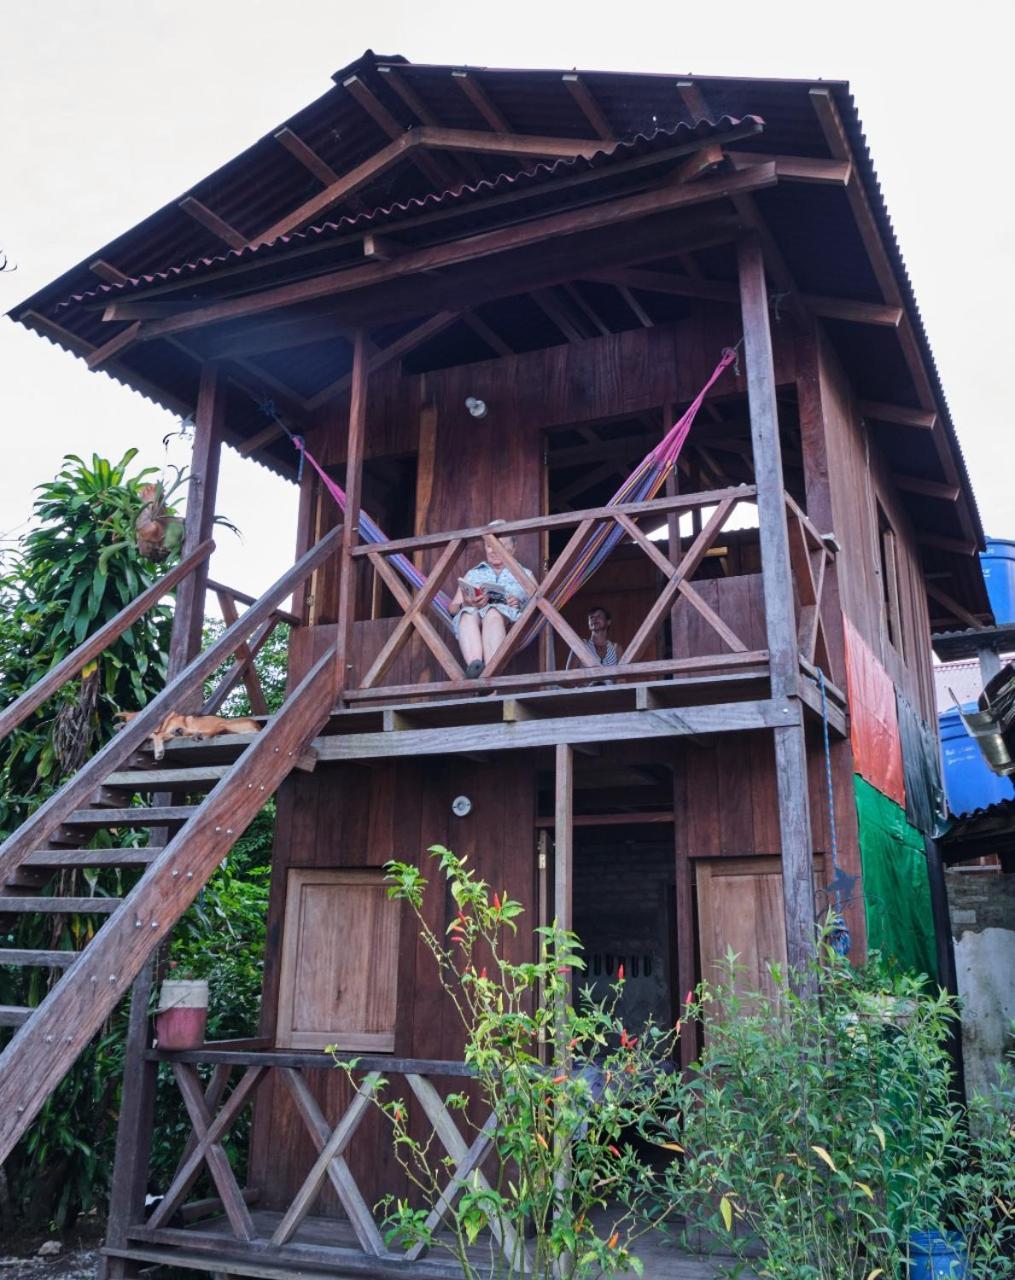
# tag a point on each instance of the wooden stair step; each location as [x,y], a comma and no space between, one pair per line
[147,816]
[168,779]
[13,1015]
[93,857]
[11,905]
[40,959]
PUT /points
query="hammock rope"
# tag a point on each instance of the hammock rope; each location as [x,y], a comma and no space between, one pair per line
[642,485]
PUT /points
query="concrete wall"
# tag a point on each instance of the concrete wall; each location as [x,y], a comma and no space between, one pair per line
[982,907]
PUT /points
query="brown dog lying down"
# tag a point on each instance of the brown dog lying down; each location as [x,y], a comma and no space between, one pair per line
[175,725]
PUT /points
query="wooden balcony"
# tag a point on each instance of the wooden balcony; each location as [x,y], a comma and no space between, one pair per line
[240,1231]
[694,658]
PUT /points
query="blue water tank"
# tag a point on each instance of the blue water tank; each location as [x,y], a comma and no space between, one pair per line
[969,783]
[998,564]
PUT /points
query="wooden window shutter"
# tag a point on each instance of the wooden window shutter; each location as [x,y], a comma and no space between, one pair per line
[339,979]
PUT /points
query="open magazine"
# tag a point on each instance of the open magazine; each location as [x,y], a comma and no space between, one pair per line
[471,593]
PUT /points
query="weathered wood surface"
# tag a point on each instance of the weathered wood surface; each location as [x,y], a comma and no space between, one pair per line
[44,1048]
[777,580]
[656,723]
[49,815]
[33,698]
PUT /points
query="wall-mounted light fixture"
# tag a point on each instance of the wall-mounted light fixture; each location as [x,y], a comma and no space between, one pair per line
[476,406]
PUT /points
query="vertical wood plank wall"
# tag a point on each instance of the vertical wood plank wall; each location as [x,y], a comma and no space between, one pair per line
[344,816]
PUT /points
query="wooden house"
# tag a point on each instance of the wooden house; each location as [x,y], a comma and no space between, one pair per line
[473,295]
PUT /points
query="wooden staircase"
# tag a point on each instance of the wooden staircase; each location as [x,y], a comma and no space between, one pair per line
[194,814]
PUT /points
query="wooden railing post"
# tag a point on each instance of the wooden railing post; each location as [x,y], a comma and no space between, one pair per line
[188,618]
[780,622]
[353,494]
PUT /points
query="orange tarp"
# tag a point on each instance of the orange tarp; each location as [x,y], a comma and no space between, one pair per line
[873,719]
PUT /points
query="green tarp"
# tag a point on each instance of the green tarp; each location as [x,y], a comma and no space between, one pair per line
[896,889]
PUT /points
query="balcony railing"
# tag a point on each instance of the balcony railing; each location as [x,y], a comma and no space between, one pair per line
[721,642]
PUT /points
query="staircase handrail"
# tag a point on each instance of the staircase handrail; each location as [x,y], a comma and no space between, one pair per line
[76,791]
[94,645]
[51,1039]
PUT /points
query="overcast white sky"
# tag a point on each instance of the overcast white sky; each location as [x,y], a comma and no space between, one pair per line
[109,108]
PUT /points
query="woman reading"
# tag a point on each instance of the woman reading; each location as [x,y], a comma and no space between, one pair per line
[489,598]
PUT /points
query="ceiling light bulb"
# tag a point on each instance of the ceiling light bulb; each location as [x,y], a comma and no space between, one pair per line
[475,406]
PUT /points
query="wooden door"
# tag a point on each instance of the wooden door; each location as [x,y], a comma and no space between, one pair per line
[740,905]
[339,973]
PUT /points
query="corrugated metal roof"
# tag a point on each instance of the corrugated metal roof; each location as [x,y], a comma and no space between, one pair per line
[468,193]
[265,182]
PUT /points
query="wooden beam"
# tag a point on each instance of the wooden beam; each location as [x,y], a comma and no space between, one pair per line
[693,100]
[588,105]
[927,488]
[307,156]
[953,606]
[480,99]
[622,726]
[400,347]
[349,183]
[383,118]
[563,836]
[547,301]
[941,543]
[125,338]
[780,623]
[425,115]
[353,492]
[106,271]
[381,248]
[490,336]
[511,144]
[835,173]
[467,249]
[902,415]
[641,315]
[212,222]
[188,615]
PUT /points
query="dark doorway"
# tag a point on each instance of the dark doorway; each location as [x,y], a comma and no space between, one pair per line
[623,902]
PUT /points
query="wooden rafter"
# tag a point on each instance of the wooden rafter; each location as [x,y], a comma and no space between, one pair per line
[469,248]
[588,105]
[400,347]
[106,271]
[489,335]
[349,183]
[548,302]
[953,606]
[927,488]
[900,414]
[212,222]
[515,144]
[693,100]
[683,286]
[828,116]
[306,155]
[642,316]
[796,168]
[586,309]
[941,543]
[97,358]
[425,115]
[382,117]
[480,99]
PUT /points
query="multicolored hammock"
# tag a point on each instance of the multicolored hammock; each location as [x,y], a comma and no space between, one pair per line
[642,485]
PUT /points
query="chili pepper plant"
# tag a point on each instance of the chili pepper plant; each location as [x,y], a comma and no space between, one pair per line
[569,1185]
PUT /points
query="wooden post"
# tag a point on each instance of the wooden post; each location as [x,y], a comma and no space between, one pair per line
[353,496]
[306,534]
[780,622]
[563,834]
[133,1135]
[188,616]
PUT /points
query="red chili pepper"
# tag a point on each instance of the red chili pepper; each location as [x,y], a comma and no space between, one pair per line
[482,973]
[571,1043]
[689,997]
[496,902]
[564,968]
[559,1079]
[612,1242]
[613,1150]
[620,973]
